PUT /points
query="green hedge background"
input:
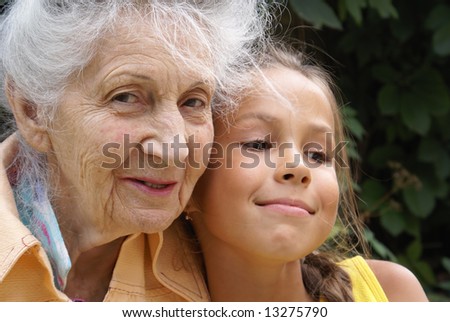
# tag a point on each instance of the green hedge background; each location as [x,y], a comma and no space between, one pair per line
[391,62]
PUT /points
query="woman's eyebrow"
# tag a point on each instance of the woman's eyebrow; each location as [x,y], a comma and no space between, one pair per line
[205,85]
[112,79]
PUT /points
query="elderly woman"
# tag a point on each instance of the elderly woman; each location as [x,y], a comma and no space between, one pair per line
[112,117]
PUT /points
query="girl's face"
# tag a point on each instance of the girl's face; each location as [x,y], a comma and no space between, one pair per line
[271,189]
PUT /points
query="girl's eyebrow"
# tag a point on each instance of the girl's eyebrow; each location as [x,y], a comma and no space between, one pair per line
[321,127]
[315,127]
[259,116]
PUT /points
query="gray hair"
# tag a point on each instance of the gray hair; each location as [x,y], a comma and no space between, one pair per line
[44,44]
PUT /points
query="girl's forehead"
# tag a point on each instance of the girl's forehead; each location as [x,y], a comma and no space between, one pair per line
[284,95]
[289,88]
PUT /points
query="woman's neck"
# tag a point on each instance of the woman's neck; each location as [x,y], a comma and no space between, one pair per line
[91,273]
[245,278]
[81,233]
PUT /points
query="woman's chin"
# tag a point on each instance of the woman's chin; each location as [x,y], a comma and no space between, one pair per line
[150,221]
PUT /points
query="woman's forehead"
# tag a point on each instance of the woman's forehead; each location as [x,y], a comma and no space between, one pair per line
[142,55]
[140,40]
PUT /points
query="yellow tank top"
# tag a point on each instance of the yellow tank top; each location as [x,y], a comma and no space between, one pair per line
[366,287]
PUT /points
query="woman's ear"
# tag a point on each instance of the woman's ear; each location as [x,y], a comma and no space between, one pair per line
[191,207]
[30,125]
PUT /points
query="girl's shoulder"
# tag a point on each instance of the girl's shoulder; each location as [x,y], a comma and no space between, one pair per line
[398,282]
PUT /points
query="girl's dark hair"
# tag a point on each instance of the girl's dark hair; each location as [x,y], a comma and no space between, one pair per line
[325,280]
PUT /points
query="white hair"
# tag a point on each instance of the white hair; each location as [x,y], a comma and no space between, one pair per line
[46,44]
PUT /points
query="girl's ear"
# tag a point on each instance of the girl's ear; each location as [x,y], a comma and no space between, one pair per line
[30,125]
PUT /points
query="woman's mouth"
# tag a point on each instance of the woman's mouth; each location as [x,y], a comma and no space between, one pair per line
[152,187]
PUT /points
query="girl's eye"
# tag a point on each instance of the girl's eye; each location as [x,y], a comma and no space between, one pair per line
[194,103]
[317,156]
[258,145]
[126,98]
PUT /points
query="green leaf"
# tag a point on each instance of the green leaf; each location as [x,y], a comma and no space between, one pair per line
[431,92]
[372,192]
[389,100]
[442,126]
[442,165]
[433,151]
[391,132]
[414,115]
[414,250]
[384,8]
[352,151]
[425,271]
[380,155]
[403,29]
[445,286]
[382,250]
[420,202]
[446,263]
[342,10]
[435,183]
[438,17]
[355,127]
[354,8]
[441,40]
[385,73]
[352,123]
[429,150]
[413,226]
[392,221]
[440,188]
[317,12]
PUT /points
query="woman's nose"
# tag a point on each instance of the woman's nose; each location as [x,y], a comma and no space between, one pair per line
[169,142]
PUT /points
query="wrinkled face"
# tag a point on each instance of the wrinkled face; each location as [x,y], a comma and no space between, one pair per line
[271,189]
[128,140]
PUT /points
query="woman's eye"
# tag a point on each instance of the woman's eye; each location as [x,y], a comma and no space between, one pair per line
[126,98]
[258,145]
[194,103]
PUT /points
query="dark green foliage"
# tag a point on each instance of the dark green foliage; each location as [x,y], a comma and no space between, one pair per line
[392,64]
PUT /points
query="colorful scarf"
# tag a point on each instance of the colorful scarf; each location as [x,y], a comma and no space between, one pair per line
[37,215]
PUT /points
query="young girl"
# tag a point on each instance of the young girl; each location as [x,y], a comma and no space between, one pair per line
[265,211]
